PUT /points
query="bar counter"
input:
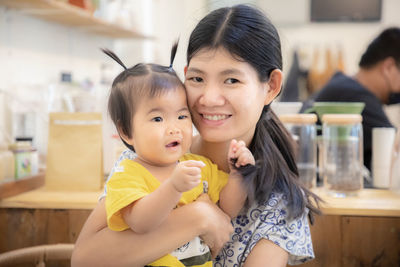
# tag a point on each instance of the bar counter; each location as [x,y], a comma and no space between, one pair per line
[353,231]
[368,202]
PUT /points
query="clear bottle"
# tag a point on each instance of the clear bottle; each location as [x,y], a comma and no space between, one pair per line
[342,153]
[303,130]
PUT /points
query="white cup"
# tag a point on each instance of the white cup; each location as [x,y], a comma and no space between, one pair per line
[382,147]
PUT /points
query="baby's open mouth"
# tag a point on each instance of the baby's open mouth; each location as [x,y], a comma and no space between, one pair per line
[173,144]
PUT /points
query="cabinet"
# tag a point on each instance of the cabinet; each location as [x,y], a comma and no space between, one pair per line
[69,15]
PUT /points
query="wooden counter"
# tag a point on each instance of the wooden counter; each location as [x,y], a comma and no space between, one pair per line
[353,231]
[357,231]
[368,202]
[41,217]
[44,199]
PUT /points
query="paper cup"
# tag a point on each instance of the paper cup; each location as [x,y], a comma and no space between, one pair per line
[382,147]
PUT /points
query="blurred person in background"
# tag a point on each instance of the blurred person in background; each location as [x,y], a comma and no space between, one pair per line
[376,83]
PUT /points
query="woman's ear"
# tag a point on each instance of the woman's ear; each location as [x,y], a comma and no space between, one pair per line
[274,85]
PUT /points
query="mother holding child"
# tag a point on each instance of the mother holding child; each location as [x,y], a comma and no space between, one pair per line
[233,73]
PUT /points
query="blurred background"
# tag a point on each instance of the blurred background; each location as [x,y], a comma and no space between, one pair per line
[50,61]
[50,57]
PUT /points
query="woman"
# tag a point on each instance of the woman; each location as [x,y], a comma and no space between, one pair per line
[233,74]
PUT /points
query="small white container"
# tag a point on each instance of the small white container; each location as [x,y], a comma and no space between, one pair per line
[382,148]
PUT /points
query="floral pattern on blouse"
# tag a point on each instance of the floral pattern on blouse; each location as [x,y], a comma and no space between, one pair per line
[268,221]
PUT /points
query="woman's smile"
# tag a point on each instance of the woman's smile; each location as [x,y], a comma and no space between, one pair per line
[224,95]
[215,117]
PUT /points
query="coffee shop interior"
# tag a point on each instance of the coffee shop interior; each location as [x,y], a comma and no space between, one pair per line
[58,143]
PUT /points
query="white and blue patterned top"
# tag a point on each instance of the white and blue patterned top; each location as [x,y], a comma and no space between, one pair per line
[267,221]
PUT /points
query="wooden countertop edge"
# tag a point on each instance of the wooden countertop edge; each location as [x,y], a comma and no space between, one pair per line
[61,206]
[370,203]
[361,212]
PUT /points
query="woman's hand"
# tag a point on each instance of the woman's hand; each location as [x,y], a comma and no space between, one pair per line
[216,224]
[99,246]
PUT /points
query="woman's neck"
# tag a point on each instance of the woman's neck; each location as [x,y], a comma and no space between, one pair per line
[216,152]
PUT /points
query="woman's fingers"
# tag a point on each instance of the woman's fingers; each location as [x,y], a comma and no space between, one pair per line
[218,225]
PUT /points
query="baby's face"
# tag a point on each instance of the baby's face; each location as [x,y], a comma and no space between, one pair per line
[162,128]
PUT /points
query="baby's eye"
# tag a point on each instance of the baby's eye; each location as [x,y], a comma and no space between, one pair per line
[157,119]
[182,117]
[232,81]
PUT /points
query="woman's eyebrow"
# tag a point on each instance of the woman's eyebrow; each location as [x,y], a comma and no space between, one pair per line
[231,71]
[194,70]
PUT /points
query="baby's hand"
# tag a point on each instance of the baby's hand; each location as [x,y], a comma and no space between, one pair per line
[187,174]
[239,151]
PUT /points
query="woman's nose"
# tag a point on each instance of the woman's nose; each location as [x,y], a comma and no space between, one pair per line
[212,96]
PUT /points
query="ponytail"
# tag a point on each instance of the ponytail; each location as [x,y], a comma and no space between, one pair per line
[275,170]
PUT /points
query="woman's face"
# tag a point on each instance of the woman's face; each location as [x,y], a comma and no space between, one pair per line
[225,96]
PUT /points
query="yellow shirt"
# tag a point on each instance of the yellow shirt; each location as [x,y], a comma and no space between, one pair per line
[131,181]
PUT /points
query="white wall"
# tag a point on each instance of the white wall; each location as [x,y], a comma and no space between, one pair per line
[292,20]
[34,52]
[175,19]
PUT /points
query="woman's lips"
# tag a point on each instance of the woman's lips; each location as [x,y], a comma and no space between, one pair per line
[215,117]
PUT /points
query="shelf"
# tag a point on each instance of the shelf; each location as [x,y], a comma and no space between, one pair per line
[69,15]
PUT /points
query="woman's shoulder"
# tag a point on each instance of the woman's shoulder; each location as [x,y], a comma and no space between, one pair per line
[270,220]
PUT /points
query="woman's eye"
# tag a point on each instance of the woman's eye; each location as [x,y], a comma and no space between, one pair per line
[182,117]
[157,119]
[196,79]
[232,81]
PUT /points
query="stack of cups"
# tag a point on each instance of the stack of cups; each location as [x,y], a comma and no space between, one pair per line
[382,149]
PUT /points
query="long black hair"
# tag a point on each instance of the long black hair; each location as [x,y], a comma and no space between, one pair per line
[249,36]
[135,83]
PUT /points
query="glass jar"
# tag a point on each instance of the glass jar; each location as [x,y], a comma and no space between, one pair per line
[303,130]
[26,159]
[342,153]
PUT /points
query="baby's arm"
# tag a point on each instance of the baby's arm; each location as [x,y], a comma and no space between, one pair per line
[234,194]
[150,211]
